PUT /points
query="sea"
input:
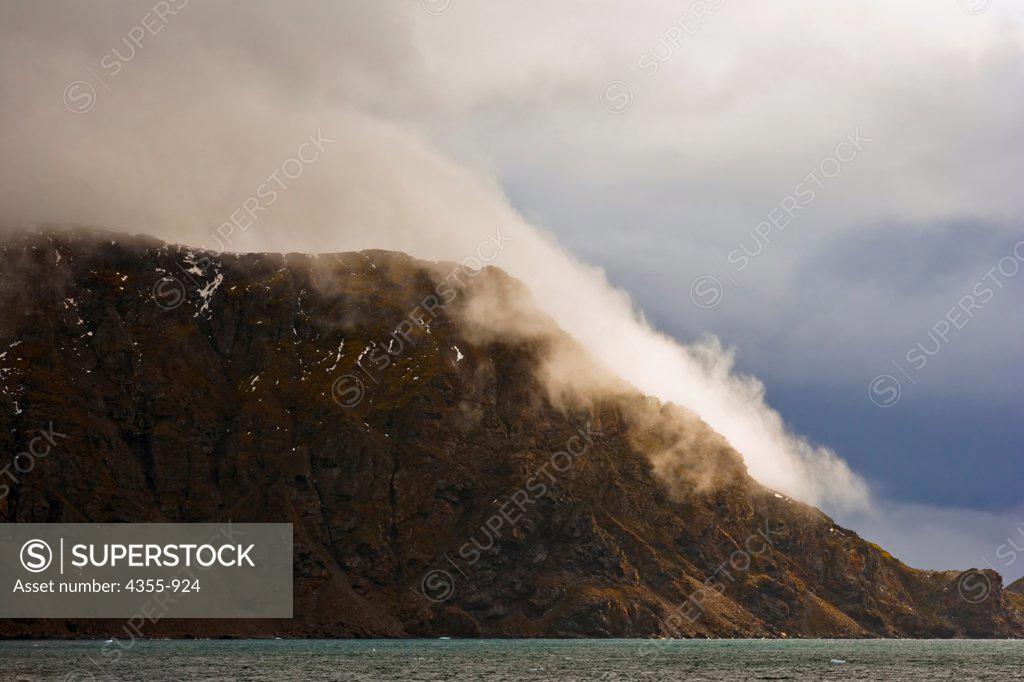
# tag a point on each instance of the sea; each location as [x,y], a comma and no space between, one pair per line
[511,660]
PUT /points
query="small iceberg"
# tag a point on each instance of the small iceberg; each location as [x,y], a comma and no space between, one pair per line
[444,637]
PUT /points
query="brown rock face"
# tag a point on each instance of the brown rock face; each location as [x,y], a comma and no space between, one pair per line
[434,487]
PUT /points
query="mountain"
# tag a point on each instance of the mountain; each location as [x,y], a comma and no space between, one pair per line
[437,483]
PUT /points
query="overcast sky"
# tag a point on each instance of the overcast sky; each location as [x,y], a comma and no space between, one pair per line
[818,184]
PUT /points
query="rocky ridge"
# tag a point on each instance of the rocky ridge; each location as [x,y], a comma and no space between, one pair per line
[434,485]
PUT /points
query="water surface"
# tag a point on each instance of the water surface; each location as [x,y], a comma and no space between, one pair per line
[513,660]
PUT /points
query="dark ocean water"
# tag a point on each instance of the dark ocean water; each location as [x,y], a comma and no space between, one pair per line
[390,660]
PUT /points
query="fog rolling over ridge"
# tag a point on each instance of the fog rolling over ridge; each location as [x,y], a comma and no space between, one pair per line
[278,136]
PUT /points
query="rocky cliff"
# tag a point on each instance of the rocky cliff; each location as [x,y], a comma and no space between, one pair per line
[435,485]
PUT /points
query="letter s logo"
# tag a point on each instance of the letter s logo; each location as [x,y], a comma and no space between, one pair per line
[36,556]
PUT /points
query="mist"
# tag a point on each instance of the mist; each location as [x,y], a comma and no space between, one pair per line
[235,130]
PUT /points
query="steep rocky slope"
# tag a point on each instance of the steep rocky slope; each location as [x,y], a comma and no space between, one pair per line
[434,486]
